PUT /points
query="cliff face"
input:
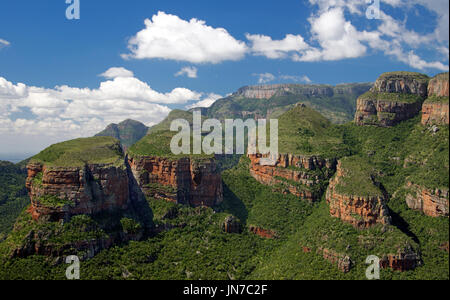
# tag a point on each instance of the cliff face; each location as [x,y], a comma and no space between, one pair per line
[82,190]
[361,211]
[384,112]
[434,203]
[268,91]
[395,97]
[403,83]
[291,174]
[435,110]
[185,181]
[404,260]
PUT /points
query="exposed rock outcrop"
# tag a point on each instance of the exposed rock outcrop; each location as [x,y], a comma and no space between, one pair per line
[434,203]
[268,91]
[403,83]
[231,225]
[291,174]
[264,233]
[395,97]
[435,109]
[184,180]
[358,208]
[82,190]
[405,259]
[343,262]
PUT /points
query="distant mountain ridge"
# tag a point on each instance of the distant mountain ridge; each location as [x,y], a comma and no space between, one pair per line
[127,132]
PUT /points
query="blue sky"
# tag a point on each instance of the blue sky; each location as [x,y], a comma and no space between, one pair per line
[51,87]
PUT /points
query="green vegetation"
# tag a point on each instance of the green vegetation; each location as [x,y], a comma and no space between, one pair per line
[158,144]
[173,115]
[127,132]
[13,195]
[304,131]
[391,97]
[437,99]
[54,201]
[408,75]
[79,152]
[192,244]
[130,225]
[337,103]
[358,178]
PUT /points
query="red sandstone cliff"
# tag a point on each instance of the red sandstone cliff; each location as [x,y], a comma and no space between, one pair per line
[270,175]
[435,110]
[391,100]
[434,203]
[185,181]
[84,190]
[357,210]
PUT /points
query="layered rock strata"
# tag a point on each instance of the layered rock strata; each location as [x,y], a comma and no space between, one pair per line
[184,180]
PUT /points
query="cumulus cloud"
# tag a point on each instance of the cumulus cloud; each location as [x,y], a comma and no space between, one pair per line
[66,112]
[265,46]
[167,36]
[269,77]
[334,37]
[190,72]
[303,79]
[117,72]
[207,102]
[265,77]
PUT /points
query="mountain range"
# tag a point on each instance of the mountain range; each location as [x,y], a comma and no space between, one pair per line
[363,171]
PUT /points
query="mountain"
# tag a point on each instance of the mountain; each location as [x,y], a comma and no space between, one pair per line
[335,195]
[337,103]
[127,132]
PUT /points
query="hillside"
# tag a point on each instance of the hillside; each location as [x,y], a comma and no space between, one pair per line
[337,103]
[127,132]
[336,194]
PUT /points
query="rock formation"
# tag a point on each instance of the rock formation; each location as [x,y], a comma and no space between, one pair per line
[268,91]
[361,208]
[231,225]
[82,196]
[291,174]
[195,182]
[90,189]
[264,233]
[434,203]
[405,259]
[343,262]
[395,97]
[435,109]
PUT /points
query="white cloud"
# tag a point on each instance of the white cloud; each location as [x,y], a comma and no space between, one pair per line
[334,37]
[207,102]
[167,36]
[190,72]
[264,45]
[117,72]
[4,43]
[337,37]
[304,78]
[265,77]
[66,112]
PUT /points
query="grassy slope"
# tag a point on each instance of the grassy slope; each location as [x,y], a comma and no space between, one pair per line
[127,132]
[76,153]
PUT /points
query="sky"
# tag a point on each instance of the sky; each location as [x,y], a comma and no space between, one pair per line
[64,75]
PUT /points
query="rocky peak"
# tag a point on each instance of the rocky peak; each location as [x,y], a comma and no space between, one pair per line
[268,91]
[402,82]
[439,85]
